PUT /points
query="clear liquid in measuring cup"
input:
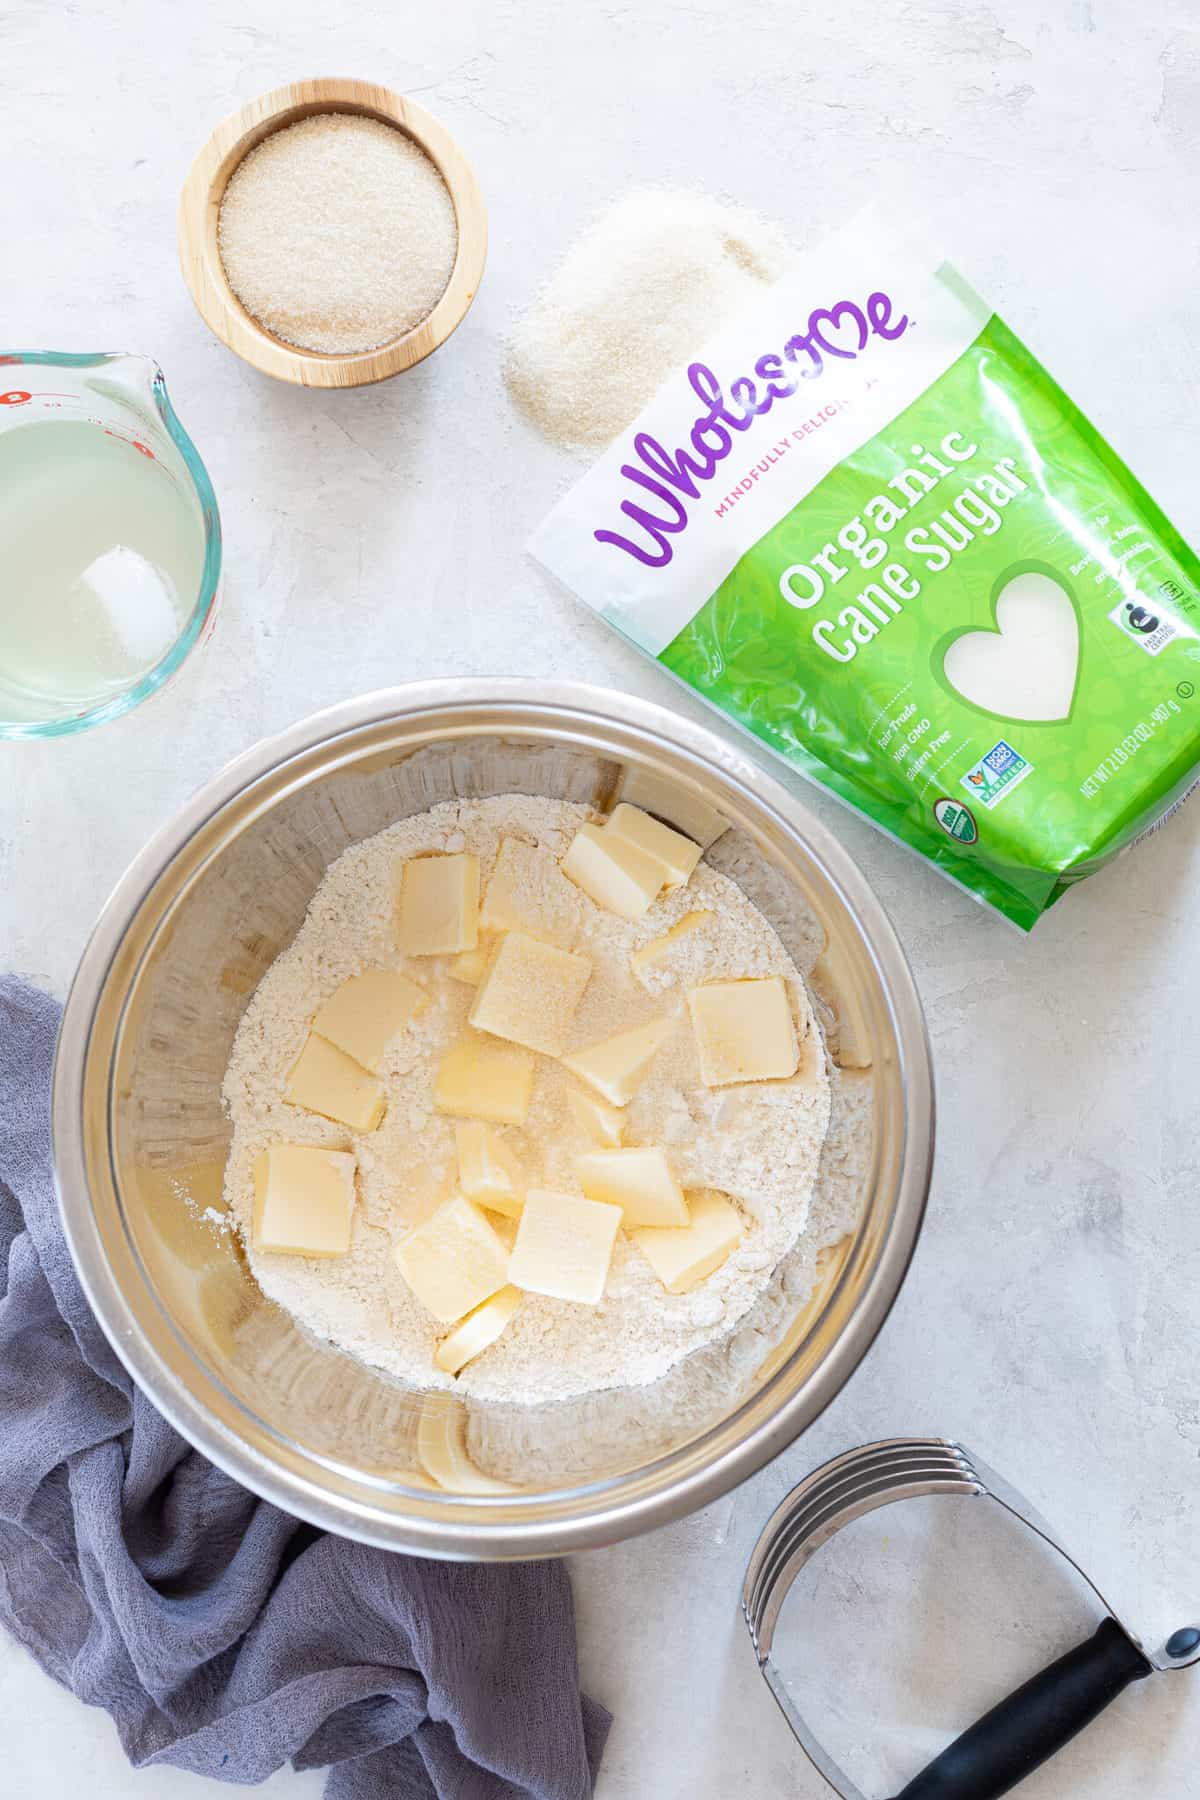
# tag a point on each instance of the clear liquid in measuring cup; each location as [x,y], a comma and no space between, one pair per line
[102,557]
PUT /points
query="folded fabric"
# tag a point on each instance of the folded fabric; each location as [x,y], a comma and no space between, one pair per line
[220,1634]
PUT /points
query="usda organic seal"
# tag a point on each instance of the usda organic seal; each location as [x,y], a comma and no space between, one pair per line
[956,820]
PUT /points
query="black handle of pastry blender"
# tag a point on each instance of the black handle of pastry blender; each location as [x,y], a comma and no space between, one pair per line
[1022,1732]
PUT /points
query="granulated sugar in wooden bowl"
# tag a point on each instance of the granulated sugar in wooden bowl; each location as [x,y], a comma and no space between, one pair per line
[332,233]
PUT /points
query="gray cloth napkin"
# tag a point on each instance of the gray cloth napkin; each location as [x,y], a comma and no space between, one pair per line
[222,1635]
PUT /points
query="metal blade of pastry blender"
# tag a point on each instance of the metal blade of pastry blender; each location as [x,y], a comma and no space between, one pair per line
[1020,1733]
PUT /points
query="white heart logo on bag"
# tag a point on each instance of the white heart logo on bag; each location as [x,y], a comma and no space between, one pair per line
[1026,667]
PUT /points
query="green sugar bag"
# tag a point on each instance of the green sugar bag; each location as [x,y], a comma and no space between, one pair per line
[869,526]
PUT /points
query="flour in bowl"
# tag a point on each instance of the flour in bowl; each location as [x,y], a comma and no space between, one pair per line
[757,1142]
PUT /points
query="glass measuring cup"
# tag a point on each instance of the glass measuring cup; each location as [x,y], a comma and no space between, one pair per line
[109,535]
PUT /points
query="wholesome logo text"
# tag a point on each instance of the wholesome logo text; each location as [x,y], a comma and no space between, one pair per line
[672,477]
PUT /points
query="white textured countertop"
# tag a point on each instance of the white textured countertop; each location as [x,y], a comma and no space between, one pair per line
[374,537]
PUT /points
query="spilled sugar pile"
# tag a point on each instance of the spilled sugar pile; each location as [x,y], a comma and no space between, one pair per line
[635,296]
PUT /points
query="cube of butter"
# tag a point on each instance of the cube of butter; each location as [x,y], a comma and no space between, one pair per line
[744,1030]
[481,1079]
[368,1011]
[616,1066]
[527,891]
[659,949]
[469,966]
[685,1257]
[616,874]
[489,1173]
[597,1120]
[530,993]
[564,1246]
[677,854]
[478,1331]
[454,1261]
[651,792]
[437,909]
[325,1080]
[303,1200]
[639,1181]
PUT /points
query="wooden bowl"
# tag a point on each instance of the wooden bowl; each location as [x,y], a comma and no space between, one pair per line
[204,272]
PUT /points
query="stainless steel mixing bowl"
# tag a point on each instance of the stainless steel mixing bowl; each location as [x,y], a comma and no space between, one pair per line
[140,1137]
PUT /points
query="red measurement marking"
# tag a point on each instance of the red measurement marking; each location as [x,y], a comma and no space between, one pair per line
[18,396]
[134,443]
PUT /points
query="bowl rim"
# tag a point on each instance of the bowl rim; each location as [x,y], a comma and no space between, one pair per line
[204,272]
[458,1527]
